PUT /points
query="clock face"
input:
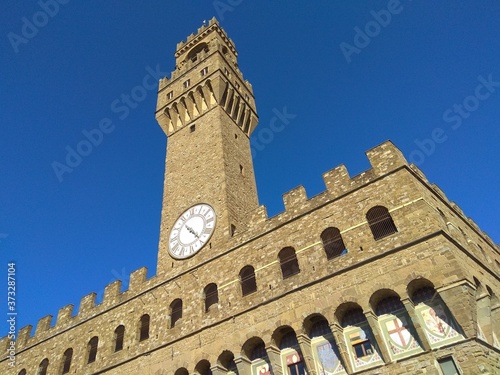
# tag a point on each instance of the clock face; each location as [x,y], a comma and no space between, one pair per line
[191,231]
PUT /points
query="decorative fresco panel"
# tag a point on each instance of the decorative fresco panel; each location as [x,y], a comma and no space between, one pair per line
[326,358]
[439,326]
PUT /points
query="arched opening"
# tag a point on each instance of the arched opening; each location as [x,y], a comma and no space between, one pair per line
[175,312]
[333,243]
[288,262]
[380,222]
[247,280]
[211,296]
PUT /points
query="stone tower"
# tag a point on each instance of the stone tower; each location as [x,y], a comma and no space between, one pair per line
[208,112]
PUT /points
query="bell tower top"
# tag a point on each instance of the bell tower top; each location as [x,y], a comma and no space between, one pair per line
[212,33]
[206,74]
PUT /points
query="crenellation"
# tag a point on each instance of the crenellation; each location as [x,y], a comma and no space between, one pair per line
[457,209]
[137,279]
[64,315]
[87,303]
[439,192]
[294,199]
[362,179]
[473,224]
[385,157]
[43,325]
[337,180]
[258,216]
[419,173]
[163,82]
[23,336]
[112,293]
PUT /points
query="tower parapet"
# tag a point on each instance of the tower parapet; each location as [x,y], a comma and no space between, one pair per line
[206,75]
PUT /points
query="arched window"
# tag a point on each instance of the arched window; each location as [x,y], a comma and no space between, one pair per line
[175,311]
[288,262]
[226,359]
[389,305]
[203,368]
[320,328]
[423,294]
[144,328]
[181,371]
[92,349]
[247,280]
[259,351]
[119,336]
[211,295]
[333,243]
[290,351]
[197,49]
[22,372]
[357,333]
[42,368]
[324,350]
[380,222]
[66,364]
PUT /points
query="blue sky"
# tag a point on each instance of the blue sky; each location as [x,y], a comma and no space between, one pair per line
[349,75]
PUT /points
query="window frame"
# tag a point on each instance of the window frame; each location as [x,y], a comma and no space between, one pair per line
[289,263]
[380,222]
[248,281]
[67,359]
[92,347]
[144,327]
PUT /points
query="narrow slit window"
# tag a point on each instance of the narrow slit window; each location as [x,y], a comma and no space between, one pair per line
[42,368]
[119,337]
[247,280]
[175,312]
[211,295]
[144,327]
[67,357]
[92,349]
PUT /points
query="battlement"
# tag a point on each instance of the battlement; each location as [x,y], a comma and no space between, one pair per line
[384,159]
[87,309]
[205,42]
[203,31]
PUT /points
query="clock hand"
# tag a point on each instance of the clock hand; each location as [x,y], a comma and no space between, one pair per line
[191,230]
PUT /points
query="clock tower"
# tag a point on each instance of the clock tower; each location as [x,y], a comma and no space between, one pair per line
[207,110]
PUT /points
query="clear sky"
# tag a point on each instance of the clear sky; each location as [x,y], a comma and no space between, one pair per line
[348,75]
